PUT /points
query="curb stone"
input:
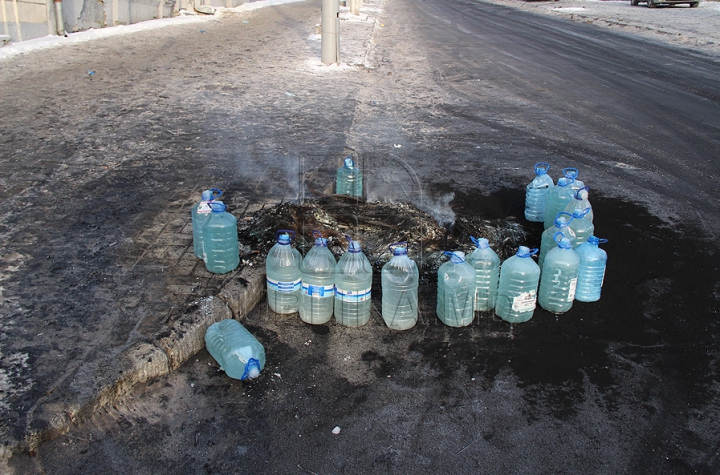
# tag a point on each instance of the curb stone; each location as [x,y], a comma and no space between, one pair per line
[142,362]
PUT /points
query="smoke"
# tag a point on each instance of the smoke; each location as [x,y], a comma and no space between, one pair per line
[439,208]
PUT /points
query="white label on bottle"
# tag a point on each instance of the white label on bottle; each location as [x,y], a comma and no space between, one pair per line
[353,296]
[319,291]
[573,287]
[524,302]
[288,287]
[204,208]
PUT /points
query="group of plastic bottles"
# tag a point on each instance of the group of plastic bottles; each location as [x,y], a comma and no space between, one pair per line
[318,287]
[571,266]
[215,235]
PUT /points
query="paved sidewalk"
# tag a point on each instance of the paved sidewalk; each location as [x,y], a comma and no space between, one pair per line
[103,155]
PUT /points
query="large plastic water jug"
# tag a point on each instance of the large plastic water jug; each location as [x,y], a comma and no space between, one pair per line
[349,179]
[200,213]
[353,285]
[487,274]
[559,277]
[593,262]
[318,283]
[580,202]
[536,193]
[557,199]
[456,291]
[517,291]
[582,227]
[572,174]
[400,279]
[282,269]
[548,242]
[220,240]
[235,349]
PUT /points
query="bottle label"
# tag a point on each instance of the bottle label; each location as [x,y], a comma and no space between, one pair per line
[288,287]
[524,302]
[204,208]
[353,296]
[572,289]
[319,291]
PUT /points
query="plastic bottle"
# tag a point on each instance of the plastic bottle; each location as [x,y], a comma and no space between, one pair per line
[349,179]
[591,275]
[580,202]
[400,279]
[456,291]
[559,277]
[220,240]
[199,213]
[282,268]
[557,199]
[536,193]
[353,284]
[517,291]
[572,173]
[548,242]
[487,274]
[235,349]
[581,226]
[318,283]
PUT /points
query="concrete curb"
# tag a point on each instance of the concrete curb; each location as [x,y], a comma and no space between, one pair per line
[143,361]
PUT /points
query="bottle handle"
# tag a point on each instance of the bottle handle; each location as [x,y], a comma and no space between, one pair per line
[577,193]
[216,192]
[397,244]
[541,168]
[570,173]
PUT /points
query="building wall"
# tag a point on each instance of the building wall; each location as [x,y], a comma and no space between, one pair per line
[27,19]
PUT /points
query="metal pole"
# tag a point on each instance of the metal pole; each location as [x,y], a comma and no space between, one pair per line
[59,19]
[330,35]
[17,20]
[4,12]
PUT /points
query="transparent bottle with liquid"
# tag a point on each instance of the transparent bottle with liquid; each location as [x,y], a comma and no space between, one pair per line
[400,279]
[282,269]
[580,202]
[591,274]
[235,349]
[558,198]
[199,214]
[220,240]
[456,291]
[517,290]
[353,285]
[559,278]
[349,179]
[317,273]
[582,227]
[536,193]
[487,274]
[547,240]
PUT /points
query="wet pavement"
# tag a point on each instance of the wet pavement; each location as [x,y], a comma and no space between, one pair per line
[628,384]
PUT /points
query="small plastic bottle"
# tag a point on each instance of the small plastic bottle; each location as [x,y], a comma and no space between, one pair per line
[456,291]
[593,262]
[353,285]
[487,274]
[536,193]
[547,241]
[580,202]
[220,240]
[558,198]
[318,283]
[400,279]
[282,268]
[235,349]
[349,179]
[517,291]
[581,226]
[199,214]
[559,277]
[572,173]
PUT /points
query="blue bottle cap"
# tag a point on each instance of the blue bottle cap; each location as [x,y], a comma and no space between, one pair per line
[561,219]
[564,181]
[399,248]
[319,240]
[349,163]
[526,251]
[580,213]
[284,236]
[541,168]
[596,240]
[207,195]
[565,243]
[353,246]
[481,243]
[252,370]
[284,239]
[582,193]
[456,257]
[217,206]
[570,172]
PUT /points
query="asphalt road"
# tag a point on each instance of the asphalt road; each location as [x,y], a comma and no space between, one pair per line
[460,99]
